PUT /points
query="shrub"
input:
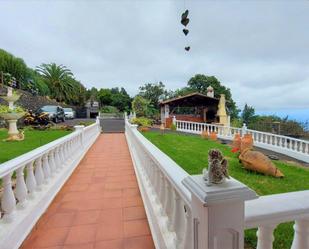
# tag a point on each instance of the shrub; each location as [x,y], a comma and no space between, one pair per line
[6,109]
[109,109]
[140,106]
[142,121]
[85,123]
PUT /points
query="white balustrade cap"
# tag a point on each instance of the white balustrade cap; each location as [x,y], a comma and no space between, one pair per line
[230,190]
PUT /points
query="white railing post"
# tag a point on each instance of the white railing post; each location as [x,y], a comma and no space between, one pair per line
[217,213]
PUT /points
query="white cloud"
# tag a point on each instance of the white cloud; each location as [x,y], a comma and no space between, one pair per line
[257,48]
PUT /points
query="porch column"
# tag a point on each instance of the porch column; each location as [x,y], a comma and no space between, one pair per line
[218,213]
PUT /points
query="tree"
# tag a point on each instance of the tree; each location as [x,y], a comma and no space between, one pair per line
[120,99]
[248,114]
[152,92]
[200,82]
[140,105]
[57,77]
[16,67]
[105,96]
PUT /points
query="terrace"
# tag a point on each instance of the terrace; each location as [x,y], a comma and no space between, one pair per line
[72,187]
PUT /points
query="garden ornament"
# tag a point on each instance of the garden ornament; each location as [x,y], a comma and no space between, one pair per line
[217,168]
[184,18]
[185,31]
[257,161]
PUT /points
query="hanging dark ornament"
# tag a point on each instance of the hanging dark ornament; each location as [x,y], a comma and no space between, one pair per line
[184,18]
[185,31]
[185,22]
[184,15]
[187,48]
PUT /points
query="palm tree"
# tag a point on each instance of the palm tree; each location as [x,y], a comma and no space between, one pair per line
[58,78]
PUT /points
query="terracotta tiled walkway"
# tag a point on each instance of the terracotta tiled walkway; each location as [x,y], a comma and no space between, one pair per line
[100,205]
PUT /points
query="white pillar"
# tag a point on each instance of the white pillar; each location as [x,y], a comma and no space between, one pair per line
[244,129]
[174,120]
[218,213]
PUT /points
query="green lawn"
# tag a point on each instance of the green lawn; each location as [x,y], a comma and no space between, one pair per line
[33,139]
[190,152]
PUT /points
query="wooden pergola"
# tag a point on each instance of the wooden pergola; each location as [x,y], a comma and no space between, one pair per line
[195,107]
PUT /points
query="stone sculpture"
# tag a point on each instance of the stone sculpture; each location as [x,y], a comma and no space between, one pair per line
[217,168]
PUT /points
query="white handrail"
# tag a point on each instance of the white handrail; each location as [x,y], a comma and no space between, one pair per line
[167,201]
[289,146]
[269,211]
[47,169]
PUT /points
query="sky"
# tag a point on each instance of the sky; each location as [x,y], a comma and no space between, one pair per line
[259,49]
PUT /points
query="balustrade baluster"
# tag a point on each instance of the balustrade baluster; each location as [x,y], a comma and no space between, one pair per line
[57,159]
[265,236]
[39,176]
[162,193]
[153,172]
[8,201]
[21,188]
[179,220]
[61,150]
[30,180]
[301,234]
[156,188]
[165,196]
[46,169]
[168,201]
[173,206]
[52,164]
[187,243]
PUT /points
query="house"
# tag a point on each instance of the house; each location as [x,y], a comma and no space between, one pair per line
[195,107]
[93,108]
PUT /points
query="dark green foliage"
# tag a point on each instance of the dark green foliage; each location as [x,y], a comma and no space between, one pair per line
[152,92]
[109,109]
[105,96]
[140,106]
[248,114]
[200,82]
[121,99]
[14,66]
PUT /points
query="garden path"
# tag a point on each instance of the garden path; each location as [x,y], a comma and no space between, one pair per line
[100,205]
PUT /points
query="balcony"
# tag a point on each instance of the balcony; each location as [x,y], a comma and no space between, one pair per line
[71,182]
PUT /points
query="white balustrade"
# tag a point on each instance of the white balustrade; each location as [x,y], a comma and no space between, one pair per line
[47,168]
[289,146]
[166,200]
[269,211]
[183,212]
